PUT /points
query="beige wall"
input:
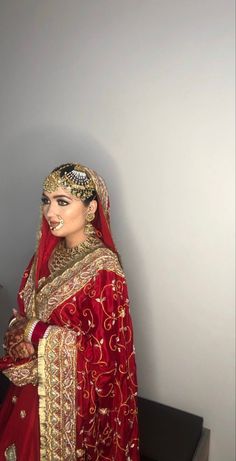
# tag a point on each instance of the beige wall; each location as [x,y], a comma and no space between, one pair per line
[143,92]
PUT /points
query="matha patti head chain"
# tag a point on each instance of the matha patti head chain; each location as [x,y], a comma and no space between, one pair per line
[72,177]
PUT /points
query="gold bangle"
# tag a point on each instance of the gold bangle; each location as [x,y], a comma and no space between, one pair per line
[30,326]
[12,321]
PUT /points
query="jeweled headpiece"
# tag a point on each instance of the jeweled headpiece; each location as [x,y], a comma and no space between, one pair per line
[72,177]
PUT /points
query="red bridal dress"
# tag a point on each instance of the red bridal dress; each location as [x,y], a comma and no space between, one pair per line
[76,399]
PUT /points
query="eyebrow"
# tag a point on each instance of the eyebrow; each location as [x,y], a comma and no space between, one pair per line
[57,196]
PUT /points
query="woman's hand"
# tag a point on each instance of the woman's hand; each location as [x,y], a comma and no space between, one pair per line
[22,350]
[14,342]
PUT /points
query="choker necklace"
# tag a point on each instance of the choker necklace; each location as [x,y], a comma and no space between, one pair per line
[63,257]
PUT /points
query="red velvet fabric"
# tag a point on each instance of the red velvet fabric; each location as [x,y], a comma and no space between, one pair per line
[19,423]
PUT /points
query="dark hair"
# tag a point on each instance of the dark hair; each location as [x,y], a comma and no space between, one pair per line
[87,201]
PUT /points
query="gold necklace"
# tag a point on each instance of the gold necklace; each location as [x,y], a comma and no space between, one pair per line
[63,257]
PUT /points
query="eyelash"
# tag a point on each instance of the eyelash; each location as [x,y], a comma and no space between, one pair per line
[46,201]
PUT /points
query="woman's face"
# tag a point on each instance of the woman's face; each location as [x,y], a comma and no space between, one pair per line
[66,215]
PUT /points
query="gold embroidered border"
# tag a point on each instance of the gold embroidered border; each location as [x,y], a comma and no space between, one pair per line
[74,279]
[24,374]
[101,190]
[57,394]
[28,293]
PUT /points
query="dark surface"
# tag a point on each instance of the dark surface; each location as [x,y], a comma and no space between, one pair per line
[4,383]
[167,434]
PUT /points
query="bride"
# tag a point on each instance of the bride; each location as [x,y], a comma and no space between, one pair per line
[69,348]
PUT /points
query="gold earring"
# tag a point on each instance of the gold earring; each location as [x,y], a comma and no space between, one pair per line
[90,217]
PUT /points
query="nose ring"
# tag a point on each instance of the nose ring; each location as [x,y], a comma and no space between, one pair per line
[59,225]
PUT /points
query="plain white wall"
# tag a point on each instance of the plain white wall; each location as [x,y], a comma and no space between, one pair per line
[143,92]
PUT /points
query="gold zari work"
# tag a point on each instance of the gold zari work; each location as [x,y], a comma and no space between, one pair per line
[57,390]
[20,375]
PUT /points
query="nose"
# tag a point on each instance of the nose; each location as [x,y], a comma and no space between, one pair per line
[50,211]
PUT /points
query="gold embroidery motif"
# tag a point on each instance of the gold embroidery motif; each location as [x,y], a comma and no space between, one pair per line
[10,453]
[23,374]
[74,279]
[103,411]
[57,392]
[80,452]
[23,414]
[108,384]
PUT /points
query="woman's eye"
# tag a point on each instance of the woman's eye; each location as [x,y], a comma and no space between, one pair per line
[44,200]
[62,202]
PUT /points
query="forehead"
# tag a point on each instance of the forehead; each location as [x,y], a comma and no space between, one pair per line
[61,193]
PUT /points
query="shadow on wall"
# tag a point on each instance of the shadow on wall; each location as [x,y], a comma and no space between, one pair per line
[26,160]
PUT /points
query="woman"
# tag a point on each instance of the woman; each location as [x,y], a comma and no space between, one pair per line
[69,350]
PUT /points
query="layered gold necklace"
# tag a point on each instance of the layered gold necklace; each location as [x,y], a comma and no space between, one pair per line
[63,257]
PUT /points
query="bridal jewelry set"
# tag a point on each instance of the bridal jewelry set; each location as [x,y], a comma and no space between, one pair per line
[63,257]
[75,179]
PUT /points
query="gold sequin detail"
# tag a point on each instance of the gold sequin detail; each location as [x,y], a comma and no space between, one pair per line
[10,453]
[23,414]
[14,399]
[103,411]
[80,452]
